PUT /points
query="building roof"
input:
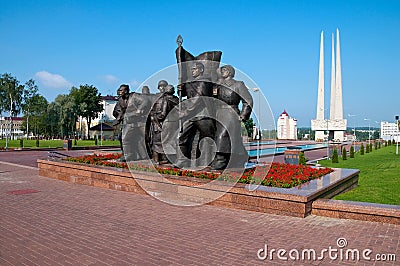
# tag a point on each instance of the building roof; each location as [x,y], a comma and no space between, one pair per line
[104,127]
[284,113]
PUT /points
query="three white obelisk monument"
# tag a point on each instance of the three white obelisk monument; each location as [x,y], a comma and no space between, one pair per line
[335,126]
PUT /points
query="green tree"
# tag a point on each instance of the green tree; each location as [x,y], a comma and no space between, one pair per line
[52,118]
[302,159]
[335,156]
[30,91]
[362,149]
[344,153]
[367,148]
[351,152]
[376,145]
[249,125]
[87,99]
[67,112]
[38,111]
[11,95]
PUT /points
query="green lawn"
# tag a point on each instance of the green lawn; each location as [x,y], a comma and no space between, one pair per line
[55,143]
[379,179]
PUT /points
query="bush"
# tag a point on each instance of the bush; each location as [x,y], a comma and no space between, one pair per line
[367,148]
[75,142]
[379,145]
[370,147]
[362,149]
[335,156]
[95,141]
[302,159]
[37,143]
[351,152]
[21,143]
[386,143]
[376,145]
[389,143]
[344,153]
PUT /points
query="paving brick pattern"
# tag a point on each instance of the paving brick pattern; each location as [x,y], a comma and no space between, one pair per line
[70,224]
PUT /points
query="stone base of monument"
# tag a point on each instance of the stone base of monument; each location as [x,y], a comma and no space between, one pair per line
[180,190]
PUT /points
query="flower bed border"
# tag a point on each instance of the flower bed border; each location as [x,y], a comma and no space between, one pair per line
[295,201]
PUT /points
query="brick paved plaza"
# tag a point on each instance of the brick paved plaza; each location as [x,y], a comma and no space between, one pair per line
[68,224]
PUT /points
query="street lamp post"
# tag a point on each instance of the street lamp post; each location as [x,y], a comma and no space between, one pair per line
[397,135]
[380,125]
[11,107]
[101,122]
[369,130]
[101,130]
[327,139]
[259,124]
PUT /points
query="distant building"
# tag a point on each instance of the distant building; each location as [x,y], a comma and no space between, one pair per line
[287,127]
[389,131]
[105,117]
[16,127]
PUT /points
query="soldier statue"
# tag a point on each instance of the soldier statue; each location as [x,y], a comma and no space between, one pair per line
[196,114]
[161,108]
[134,129]
[230,149]
[120,109]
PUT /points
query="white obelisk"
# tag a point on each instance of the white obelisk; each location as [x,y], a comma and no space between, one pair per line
[317,123]
[336,125]
[320,101]
[338,96]
[333,82]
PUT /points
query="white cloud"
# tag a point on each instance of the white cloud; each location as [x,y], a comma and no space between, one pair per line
[110,79]
[52,80]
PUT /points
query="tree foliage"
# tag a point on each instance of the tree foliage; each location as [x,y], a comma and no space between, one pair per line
[29,100]
[352,152]
[55,119]
[302,159]
[249,125]
[87,101]
[344,153]
[67,114]
[335,156]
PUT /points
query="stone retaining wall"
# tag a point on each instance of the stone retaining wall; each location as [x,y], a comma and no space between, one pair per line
[284,201]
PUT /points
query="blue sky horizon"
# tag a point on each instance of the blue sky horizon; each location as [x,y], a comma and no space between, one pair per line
[276,43]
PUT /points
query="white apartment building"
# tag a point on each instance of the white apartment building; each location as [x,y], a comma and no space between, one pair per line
[389,131]
[16,127]
[286,127]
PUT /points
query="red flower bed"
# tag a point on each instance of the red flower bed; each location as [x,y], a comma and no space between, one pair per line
[274,175]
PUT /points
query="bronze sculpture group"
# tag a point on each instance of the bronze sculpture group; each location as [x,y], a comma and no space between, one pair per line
[169,129]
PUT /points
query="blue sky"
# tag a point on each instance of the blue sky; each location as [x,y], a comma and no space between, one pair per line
[276,43]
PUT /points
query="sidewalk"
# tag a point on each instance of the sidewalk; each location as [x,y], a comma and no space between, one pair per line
[69,224]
